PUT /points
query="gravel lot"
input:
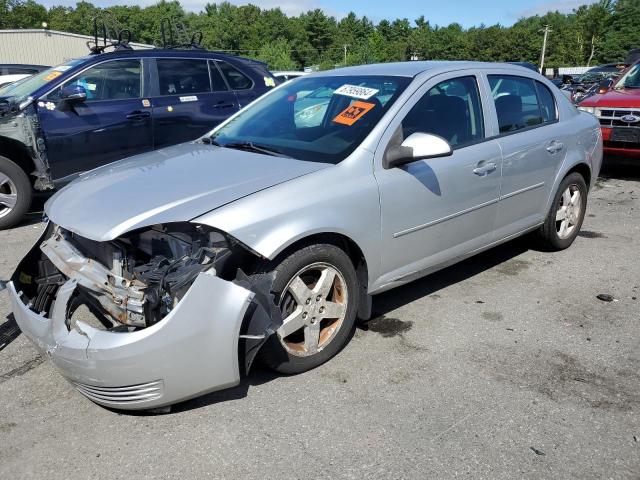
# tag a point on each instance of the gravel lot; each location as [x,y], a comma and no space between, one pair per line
[505,366]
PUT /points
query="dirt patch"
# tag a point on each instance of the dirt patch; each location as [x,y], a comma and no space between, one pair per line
[563,377]
[7,427]
[513,267]
[600,183]
[388,327]
[493,316]
[591,234]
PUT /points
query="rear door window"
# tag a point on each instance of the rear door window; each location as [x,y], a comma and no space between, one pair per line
[236,79]
[516,102]
[183,76]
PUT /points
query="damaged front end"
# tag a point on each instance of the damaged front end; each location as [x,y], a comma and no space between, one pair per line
[154,317]
[20,130]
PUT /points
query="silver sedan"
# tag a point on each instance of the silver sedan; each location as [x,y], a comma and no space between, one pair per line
[163,276]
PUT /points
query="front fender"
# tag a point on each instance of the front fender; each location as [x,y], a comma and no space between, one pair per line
[342,199]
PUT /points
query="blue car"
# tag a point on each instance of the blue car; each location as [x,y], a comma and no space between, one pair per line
[103,107]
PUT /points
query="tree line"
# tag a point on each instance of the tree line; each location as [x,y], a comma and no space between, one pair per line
[592,34]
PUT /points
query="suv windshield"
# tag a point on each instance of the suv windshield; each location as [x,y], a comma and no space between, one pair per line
[23,88]
[631,79]
[321,119]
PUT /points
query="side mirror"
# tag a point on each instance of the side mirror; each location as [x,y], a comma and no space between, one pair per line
[73,94]
[605,85]
[417,146]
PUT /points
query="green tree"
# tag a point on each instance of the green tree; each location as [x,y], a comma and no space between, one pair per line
[622,32]
[277,55]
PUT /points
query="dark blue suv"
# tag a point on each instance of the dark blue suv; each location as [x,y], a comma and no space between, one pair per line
[100,108]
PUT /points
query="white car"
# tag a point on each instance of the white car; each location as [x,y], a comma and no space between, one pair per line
[285,76]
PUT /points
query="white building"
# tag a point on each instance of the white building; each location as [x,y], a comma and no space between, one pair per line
[45,47]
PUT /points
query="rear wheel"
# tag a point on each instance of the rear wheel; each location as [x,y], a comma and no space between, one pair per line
[565,217]
[317,292]
[15,193]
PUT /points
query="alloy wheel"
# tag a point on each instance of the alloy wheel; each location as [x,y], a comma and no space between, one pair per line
[8,195]
[314,306]
[569,211]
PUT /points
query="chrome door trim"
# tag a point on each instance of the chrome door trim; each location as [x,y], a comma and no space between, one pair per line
[444,219]
[522,190]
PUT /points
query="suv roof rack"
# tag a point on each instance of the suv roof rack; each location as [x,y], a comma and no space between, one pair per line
[123,36]
[175,36]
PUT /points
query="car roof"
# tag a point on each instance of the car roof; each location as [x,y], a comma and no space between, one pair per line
[171,52]
[413,68]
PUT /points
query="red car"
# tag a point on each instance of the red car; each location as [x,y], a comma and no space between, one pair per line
[618,110]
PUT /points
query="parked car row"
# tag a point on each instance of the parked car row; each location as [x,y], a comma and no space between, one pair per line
[269,234]
[100,108]
[617,108]
[590,82]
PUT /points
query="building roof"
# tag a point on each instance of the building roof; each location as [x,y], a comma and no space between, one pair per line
[65,34]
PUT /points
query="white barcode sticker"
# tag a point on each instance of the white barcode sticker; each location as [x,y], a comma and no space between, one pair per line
[189,98]
[354,91]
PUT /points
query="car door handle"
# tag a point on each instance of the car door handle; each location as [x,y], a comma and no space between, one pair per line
[138,115]
[555,147]
[484,168]
[222,105]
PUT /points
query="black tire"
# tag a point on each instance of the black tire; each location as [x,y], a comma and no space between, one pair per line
[273,353]
[548,236]
[23,191]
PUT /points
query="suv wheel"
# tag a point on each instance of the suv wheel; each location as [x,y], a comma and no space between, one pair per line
[565,217]
[15,193]
[317,291]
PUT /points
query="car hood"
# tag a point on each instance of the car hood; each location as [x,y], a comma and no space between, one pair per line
[175,184]
[623,98]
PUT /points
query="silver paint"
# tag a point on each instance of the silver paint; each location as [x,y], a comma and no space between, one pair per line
[407,221]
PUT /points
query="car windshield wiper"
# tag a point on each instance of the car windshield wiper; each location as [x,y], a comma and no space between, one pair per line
[253,147]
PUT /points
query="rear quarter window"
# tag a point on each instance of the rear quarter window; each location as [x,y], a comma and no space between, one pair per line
[547,103]
[235,78]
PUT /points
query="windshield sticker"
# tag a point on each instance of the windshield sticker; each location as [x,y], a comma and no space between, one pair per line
[269,82]
[62,68]
[52,76]
[353,113]
[354,91]
[189,98]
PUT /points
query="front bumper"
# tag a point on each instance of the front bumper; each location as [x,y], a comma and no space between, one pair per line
[618,149]
[192,351]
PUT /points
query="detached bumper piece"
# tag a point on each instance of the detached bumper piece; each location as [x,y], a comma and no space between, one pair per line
[192,351]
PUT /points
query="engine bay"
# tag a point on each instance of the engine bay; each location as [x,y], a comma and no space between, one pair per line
[134,281]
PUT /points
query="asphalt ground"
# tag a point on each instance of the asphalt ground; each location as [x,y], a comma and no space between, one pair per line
[504,366]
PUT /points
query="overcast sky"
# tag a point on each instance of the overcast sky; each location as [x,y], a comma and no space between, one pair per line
[466,12]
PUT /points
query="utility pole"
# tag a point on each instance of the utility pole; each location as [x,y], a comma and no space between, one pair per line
[546,31]
[345,53]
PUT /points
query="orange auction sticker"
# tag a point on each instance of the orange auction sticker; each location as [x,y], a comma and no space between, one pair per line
[53,75]
[353,113]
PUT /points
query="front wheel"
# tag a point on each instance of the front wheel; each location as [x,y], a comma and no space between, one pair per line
[317,292]
[15,193]
[565,217]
